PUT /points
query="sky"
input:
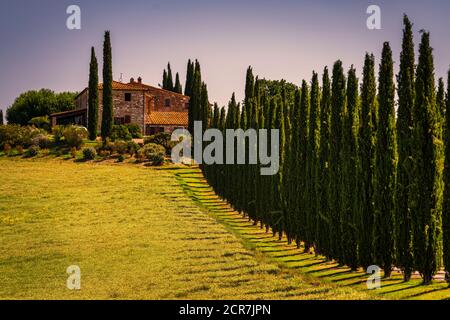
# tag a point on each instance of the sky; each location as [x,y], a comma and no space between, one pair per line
[280,39]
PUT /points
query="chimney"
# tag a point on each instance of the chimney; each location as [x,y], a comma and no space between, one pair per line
[132,80]
[140,80]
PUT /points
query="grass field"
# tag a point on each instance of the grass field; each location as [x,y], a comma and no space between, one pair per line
[148,233]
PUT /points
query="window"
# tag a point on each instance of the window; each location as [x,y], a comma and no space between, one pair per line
[127,119]
[119,121]
[154,130]
[167,103]
[127,96]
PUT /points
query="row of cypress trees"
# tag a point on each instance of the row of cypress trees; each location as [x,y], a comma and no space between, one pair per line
[357,182]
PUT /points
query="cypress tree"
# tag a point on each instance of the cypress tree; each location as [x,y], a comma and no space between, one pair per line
[312,161]
[178,88]
[169,86]
[1,117]
[164,83]
[189,79]
[205,107]
[424,195]
[323,225]
[446,200]
[194,112]
[249,91]
[93,97]
[107,112]
[279,124]
[349,167]
[440,107]
[302,169]
[366,152]
[405,79]
[385,165]
[337,109]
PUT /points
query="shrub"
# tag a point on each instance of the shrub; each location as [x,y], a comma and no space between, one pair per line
[120,132]
[133,147]
[19,149]
[154,153]
[58,133]
[89,153]
[121,158]
[74,136]
[32,151]
[104,153]
[7,148]
[42,141]
[73,152]
[121,147]
[16,135]
[41,123]
[162,139]
[134,130]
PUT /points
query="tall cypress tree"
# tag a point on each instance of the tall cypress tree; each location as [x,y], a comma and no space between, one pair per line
[205,107]
[169,85]
[189,79]
[279,124]
[337,110]
[446,200]
[312,161]
[366,151]
[349,182]
[323,225]
[107,112]
[164,82]
[405,79]
[385,165]
[194,112]
[93,97]
[440,107]
[302,169]
[1,117]
[424,195]
[178,88]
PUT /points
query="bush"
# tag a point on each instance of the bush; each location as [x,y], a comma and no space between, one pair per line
[32,152]
[73,152]
[19,150]
[58,133]
[133,147]
[16,135]
[42,141]
[104,153]
[89,153]
[162,139]
[121,158]
[120,132]
[7,148]
[121,147]
[74,136]
[134,130]
[41,123]
[154,153]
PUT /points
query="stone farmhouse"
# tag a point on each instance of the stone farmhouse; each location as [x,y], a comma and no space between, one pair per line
[153,109]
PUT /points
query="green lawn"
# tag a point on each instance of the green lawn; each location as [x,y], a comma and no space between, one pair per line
[146,233]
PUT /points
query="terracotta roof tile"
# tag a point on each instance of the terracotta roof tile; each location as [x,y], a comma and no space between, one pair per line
[168,118]
[121,86]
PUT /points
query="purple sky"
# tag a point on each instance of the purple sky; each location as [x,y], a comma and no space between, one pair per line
[280,39]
